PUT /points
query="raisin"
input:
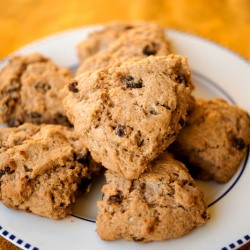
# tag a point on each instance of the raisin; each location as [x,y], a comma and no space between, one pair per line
[63,120]
[138,239]
[7,169]
[73,87]
[238,143]
[116,198]
[182,122]
[9,105]
[204,215]
[150,49]
[35,115]
[120,130]
[152,111]
[62,204]
[13,122]
[184,182]
[42,87]
[15,86]
[140,140]
[181,79]
[130,82]
[163,105]
[2,172]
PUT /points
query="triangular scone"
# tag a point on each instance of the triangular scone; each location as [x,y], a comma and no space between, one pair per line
[163,203]
[43,168]
[214,140]
[31,90]
[130,113]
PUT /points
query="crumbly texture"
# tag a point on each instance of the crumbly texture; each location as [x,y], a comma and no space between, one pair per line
[140,40]
[214,141]
[101,40]
[43,169]
[129,114]
[31,90]
[163,203]
[100,60]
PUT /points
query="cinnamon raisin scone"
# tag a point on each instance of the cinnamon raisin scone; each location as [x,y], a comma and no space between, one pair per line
[214,140]
[102,39]
[31,91]
[141,40]
[43,169]
[130,113]
[162,203]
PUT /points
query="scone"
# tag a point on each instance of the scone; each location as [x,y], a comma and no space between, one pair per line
[163,203]
[31,91]
[214,141]
[43,169]
[129,114]
[141,40]
[101,40]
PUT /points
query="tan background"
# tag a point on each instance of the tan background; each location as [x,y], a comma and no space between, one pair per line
[224,21]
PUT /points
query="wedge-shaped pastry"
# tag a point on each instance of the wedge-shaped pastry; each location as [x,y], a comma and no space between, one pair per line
[124,38]
[43,169]
[128,114]
[136,40]
[163,203]
[214,140]
[31,90]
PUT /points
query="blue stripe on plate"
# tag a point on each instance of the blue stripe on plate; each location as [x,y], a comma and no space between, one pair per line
[238,243]
[15,240]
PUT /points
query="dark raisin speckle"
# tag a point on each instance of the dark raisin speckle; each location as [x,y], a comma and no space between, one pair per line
[14,86]
[163,105]
[35,115]
[137,239]
[130,82]
[2,172]
[73,87]
[7,169]
[150,49]
[13,122]
[140,140]
[152,111]
[120,130]
[42,87]
[116,198]
[238,143]
[182,122]
[181,79]
[63,120]
[204,215]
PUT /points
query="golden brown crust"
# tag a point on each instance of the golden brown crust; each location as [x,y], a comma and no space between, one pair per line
[128,114]
[42,169]
[31,91]
[163,203]
[215,139]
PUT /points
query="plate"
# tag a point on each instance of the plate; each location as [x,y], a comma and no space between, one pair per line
[217,72]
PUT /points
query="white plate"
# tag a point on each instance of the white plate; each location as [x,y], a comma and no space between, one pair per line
[217,72]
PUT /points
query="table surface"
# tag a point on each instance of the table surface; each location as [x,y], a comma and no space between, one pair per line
[225,22]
